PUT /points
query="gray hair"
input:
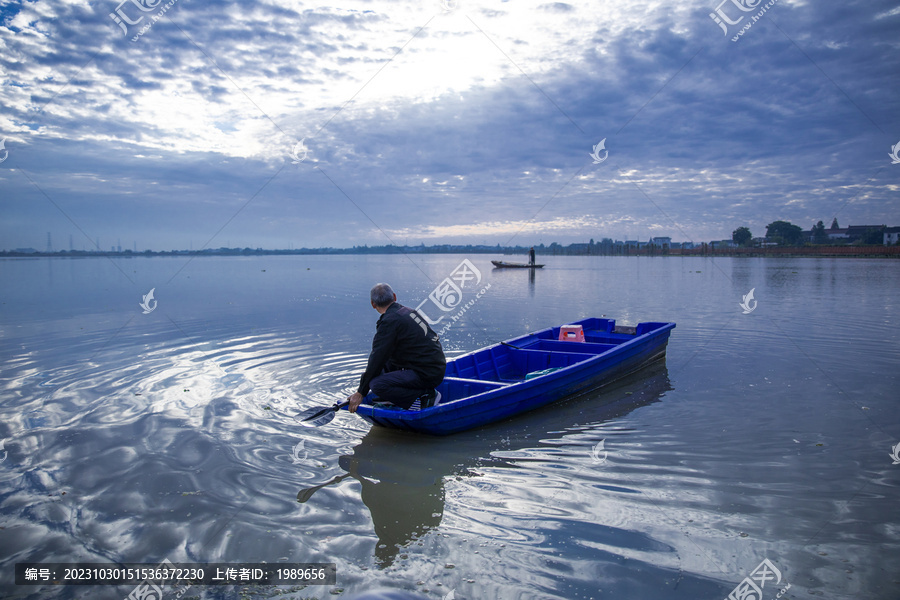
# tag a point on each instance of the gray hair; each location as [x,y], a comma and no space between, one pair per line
[382,295]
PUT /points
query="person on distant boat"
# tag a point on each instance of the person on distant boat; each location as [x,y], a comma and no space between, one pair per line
[407,361]
[531,256]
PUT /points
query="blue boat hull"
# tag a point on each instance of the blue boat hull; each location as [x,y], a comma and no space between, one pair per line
[490,384]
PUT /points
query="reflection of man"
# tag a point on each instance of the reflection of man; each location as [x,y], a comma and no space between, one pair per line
[405,504]
[406,362]
[531,256]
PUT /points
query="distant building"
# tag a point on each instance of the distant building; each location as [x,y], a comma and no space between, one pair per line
[849,235]
[837,235]
[861,232]
[661,241]
[716,244]
[891,235]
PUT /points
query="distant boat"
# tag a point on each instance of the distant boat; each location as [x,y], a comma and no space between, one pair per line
[502,264]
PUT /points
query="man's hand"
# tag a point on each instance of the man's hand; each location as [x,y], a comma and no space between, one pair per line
[355,400]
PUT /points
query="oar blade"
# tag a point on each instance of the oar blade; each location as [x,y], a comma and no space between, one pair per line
[317,416]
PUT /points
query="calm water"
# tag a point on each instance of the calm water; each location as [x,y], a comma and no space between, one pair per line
[139,437]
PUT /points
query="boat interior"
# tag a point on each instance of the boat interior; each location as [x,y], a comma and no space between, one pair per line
[513,361]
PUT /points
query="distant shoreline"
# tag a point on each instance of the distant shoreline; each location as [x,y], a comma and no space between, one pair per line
[801,251]
[795,251]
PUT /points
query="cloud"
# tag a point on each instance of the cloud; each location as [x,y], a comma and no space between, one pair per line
[557,7]
[461,124]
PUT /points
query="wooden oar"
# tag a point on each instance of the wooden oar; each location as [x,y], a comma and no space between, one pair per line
[318,416]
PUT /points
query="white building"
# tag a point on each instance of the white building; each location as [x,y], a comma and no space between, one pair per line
[891,235]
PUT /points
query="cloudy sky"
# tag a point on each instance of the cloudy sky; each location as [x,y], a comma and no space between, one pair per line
[465,121]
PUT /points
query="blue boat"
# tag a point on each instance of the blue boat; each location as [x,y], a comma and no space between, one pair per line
[527,372]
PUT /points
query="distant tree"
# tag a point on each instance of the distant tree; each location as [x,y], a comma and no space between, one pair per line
[819,235]
[873,237]
[784,232]
[741,236]
[834,224]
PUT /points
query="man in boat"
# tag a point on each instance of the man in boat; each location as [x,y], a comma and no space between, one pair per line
[531,256]
[407,361]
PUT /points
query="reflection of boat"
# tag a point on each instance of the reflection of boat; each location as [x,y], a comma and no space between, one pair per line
[502,264]
[402,477]
[512,377]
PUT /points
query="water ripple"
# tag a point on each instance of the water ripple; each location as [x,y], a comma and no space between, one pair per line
[172,435]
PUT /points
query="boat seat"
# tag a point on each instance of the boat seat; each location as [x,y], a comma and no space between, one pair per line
[490,383]
[571,347]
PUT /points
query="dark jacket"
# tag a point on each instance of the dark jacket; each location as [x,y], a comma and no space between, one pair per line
[403,337]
